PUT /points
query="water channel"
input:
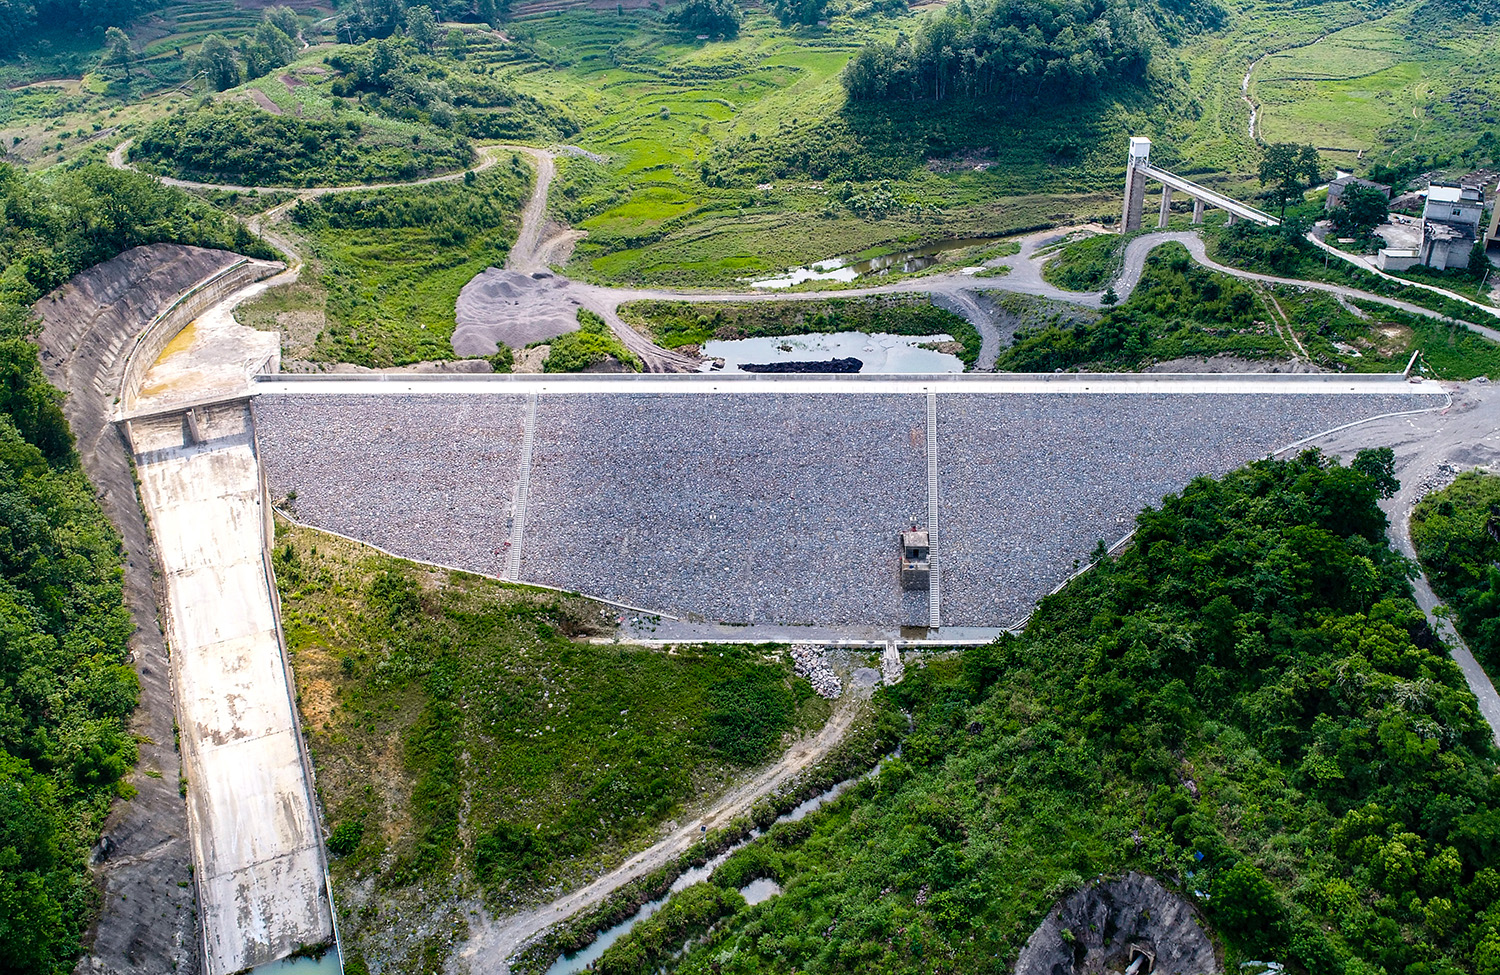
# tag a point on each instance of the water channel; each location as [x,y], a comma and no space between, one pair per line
[755,892]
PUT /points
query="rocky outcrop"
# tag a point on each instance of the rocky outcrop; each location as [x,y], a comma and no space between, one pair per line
[1094,931]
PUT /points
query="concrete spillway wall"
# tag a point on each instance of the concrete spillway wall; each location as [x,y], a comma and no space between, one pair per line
[178,314]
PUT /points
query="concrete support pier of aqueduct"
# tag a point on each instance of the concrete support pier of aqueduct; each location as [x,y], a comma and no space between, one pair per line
[1139,172]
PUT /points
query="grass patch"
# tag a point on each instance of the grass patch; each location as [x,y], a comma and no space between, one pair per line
[1088,264]
[592,346]
[393,262]
[673,324]
[467,735]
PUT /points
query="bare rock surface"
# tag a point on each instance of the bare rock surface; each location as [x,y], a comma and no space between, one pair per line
[147,922]
[504,307]
[1106,918]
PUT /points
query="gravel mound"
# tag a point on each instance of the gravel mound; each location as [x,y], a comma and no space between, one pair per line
[499,307]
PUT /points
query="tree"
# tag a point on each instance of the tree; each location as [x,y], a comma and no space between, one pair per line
[285,20]
[1360,210]
[217,59]
[1479,263]
[1379,465]
[117,50]
[1289,169]
[421,27]
[458,44]
[790,12]
[708,17]
[1110,296]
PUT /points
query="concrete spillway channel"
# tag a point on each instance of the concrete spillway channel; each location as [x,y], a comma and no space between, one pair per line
[260,872]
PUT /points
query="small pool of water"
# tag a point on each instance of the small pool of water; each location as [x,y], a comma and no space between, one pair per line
[845,269]
[328,964]
[879,353]
[822,271]
[760,890]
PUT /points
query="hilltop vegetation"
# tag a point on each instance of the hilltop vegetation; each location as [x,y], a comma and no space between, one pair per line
[66,687]
[1456,532]
[469,737]
[230,144]
[1244,703]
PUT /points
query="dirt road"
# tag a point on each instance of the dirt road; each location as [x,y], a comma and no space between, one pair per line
[493,940]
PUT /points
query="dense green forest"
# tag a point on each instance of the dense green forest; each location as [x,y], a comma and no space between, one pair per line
[1456,532]
[1244,703]
[20,18]
[66,689]
[1007,51]
[236,144]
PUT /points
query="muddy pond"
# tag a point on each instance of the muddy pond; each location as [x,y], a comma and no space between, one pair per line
[879,353]
[847,269]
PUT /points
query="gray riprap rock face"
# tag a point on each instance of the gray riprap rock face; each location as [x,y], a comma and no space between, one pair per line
[771,507]
[1106,918]
[1029,484]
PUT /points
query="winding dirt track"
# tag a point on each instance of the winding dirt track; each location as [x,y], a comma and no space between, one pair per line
[493,941]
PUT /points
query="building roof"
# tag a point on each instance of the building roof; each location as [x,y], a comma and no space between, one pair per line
[914,539]
[1444,194]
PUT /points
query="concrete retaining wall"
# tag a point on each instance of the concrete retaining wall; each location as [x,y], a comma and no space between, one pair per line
[176,316]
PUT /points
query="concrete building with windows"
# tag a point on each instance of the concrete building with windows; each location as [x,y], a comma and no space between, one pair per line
[1450,225]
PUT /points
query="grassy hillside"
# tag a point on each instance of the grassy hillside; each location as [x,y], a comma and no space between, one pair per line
[387,267]
[470,739]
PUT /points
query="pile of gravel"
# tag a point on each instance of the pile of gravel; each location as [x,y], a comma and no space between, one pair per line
[499,307]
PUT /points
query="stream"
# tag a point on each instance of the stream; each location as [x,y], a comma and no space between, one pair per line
[754,892]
